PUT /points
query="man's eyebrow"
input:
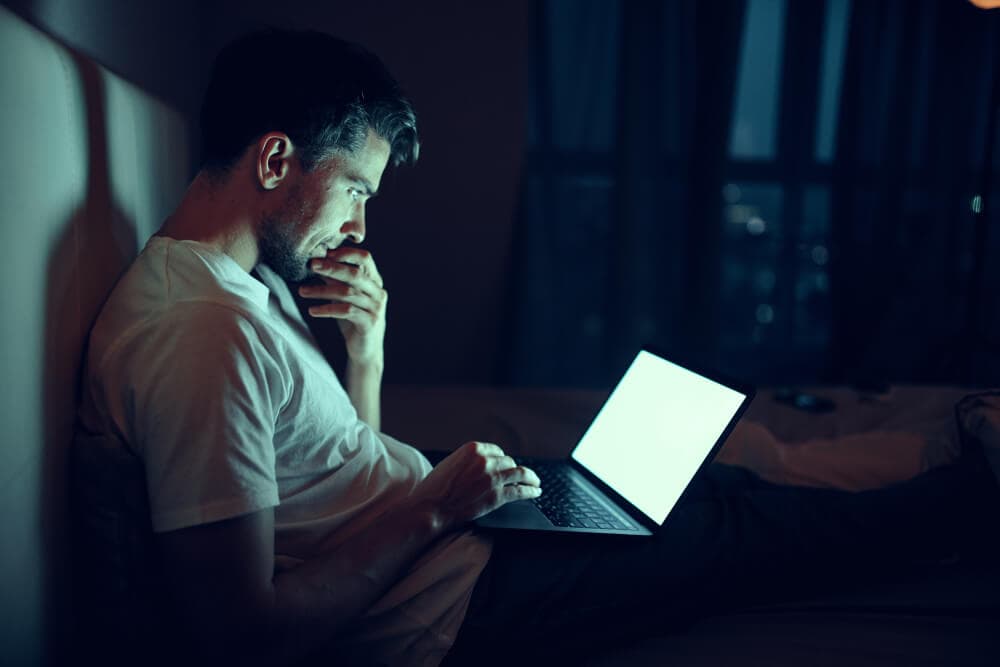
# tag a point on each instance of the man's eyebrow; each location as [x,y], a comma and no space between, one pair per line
[366,185]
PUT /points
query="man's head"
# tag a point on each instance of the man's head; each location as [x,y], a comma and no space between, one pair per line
[319,209]
[321,91]
[315,119]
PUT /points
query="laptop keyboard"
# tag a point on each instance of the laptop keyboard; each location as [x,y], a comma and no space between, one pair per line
[564,504]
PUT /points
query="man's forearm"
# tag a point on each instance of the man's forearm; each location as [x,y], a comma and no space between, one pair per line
[364,387]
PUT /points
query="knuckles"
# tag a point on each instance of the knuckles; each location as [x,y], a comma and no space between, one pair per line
[348,252]
[359,253]
[339,269]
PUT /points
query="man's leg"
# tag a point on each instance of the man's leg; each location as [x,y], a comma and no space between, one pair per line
[735,540]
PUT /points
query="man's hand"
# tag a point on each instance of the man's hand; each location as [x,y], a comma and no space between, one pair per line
[474,480]
[353,286]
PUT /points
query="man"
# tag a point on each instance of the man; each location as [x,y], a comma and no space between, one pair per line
[286,523]
[282,514]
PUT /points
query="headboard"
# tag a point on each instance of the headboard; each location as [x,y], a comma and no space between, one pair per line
[92,166]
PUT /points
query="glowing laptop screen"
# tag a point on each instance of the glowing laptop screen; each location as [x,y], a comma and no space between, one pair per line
[654,432]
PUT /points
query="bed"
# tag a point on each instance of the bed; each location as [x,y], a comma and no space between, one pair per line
[932,614]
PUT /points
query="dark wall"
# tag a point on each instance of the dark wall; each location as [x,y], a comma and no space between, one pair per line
[440,231]
[159,46]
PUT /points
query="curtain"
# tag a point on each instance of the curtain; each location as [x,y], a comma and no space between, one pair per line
[791,191]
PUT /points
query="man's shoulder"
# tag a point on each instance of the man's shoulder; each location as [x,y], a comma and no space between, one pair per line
[176,292]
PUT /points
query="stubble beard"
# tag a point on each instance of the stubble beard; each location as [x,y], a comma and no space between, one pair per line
[278,249]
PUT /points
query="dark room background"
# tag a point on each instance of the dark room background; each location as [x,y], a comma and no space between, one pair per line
[795,191]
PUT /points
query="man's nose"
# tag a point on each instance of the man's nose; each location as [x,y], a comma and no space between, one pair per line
[354,228]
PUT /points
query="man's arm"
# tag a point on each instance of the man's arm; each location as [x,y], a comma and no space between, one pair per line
[364,387]
[222,574]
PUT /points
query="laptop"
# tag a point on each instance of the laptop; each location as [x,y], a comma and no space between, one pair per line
[660,426]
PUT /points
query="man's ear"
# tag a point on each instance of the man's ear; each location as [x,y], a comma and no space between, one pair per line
[274,154]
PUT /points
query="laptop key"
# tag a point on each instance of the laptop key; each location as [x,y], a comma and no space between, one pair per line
[566,506]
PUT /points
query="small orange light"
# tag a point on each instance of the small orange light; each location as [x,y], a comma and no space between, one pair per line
[986,4]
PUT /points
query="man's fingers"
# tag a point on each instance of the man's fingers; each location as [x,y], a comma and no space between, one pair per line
[339,291]
[344,311]
[486,449]
[347,273]
[358,258]
[514,492]
[520,475]
[499,463]
[350,254]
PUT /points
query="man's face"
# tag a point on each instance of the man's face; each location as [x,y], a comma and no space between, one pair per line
[322,209]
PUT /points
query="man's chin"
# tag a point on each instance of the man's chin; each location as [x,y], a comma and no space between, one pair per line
[294,271]
[279,252]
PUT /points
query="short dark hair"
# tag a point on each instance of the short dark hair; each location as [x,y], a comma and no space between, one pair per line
[323,92]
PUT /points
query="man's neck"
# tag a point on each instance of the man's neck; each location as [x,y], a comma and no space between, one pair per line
[216,212]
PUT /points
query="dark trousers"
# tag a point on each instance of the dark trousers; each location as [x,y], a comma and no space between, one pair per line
[733,541]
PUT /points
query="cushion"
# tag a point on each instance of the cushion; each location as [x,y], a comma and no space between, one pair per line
[115,562]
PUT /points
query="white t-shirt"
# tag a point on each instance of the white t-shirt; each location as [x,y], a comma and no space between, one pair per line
[213,379]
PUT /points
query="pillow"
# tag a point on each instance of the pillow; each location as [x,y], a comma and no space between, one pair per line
[114,559]
[852,462]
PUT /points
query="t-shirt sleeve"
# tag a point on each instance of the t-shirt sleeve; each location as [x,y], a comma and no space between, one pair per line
[204,405]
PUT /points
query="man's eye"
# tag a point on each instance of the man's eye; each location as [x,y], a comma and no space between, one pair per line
[354,193]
